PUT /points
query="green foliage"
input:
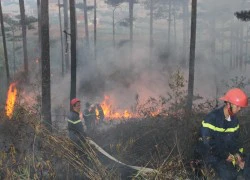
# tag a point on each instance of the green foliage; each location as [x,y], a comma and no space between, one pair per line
[11,21]
[28,19]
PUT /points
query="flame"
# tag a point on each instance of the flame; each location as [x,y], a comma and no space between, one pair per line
[11,99]
[110,113]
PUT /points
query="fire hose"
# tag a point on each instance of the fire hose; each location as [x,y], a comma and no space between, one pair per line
[140,169]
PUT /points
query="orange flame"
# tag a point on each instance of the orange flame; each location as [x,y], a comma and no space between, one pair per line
[11,99]
[110,113]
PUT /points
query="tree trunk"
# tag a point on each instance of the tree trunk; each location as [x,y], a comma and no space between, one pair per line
[39,22]
[23,23]
[241,46]
[4,46]
[213,40]
[39,34]
[113,25]
[185,30]
[246,50]
[237,49]
[61,36]
[174,19]
[151,25]
[66,28]
[45,58]
[192,56]
[231,47]
[14,52]
[73,48]
[86,21]
[95,53]
[169,21]
[131,17]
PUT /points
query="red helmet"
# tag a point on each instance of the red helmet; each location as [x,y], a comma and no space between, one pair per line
[236,96]
[74,101]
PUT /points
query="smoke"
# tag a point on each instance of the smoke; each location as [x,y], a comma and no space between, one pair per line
[123,73]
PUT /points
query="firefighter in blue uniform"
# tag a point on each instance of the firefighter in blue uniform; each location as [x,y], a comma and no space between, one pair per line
[220,135]
[75,124]
[76,132]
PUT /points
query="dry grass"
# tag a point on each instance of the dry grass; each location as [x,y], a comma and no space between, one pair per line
[32,152]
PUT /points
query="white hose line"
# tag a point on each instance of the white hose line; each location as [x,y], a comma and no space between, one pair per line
[141,169]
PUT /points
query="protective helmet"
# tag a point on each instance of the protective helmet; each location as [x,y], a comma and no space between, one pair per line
[236,96]
[74,101]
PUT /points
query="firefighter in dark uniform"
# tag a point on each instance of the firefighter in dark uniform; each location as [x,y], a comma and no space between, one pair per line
[76,132]
[219,142]
[89,115]
[75,124]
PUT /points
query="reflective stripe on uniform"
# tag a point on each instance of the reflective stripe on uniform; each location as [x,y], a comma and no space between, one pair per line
[218,129]
[74,122]
[90,114]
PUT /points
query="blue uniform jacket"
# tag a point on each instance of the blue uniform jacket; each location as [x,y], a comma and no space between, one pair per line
[75,125]
[220,136]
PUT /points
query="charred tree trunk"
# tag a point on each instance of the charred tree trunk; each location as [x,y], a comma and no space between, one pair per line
[86,22]
[24,33]
[45,55]
[61,36]
[66,28]
[73,48]
[4,46]
[192,56]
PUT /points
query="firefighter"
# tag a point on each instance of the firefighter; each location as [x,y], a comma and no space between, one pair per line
[75,124]
[89,115]
[77,134]
[219,140]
